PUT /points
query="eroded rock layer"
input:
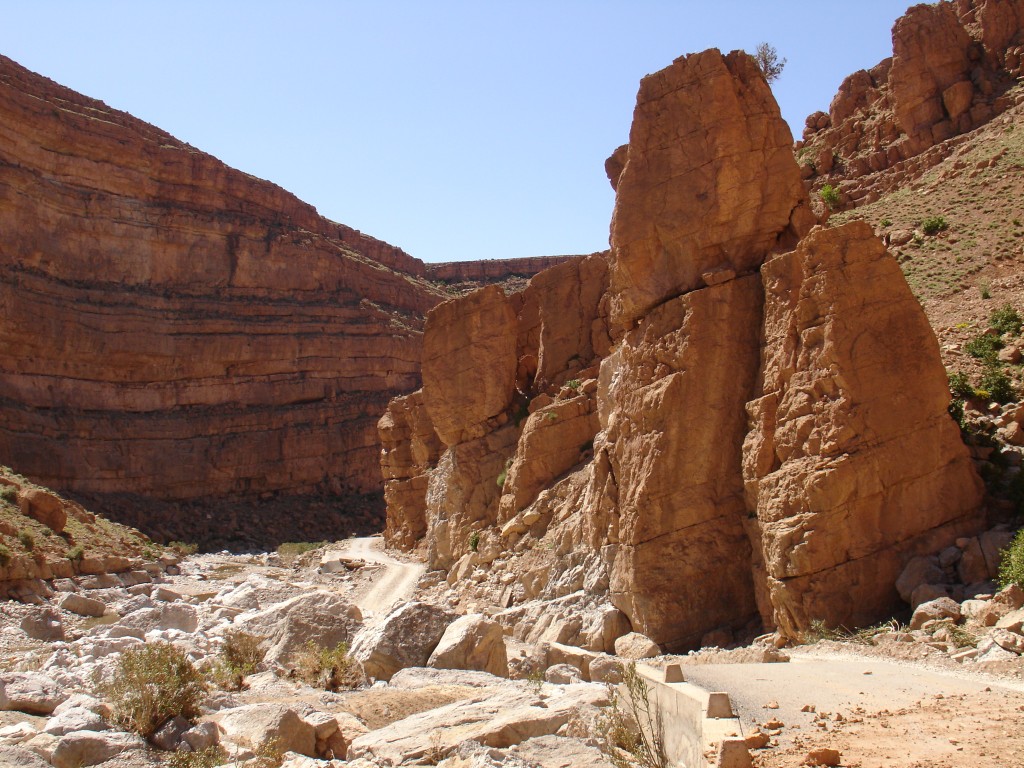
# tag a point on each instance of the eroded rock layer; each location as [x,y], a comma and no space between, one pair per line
[176,329]
[739,414]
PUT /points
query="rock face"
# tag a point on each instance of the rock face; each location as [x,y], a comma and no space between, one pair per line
[723,138]
[849,432]
[178,330]
[952,63]
[740,421]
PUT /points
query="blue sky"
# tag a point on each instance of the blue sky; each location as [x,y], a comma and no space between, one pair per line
[456,130]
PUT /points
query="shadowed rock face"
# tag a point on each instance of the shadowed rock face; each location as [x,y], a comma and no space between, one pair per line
[176,329]
[765,402]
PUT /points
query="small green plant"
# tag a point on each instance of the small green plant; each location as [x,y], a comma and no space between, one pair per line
[960,385]
[1006,319]
[239,656]
[28,541]
[985,290]
[830,196]
[536,680]
[956,410]
[573,384]
[9,494]
[998,385]
[77,552]
[504,473]
[886,222]
[934,224]
[551,416]
[984,347]
[632,734]
[269,754]
[1011,566]
[183,548]
[474,540]
[327,668]
[204,758]
[5,555]
[153,684]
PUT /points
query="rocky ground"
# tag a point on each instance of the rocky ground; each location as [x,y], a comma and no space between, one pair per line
[453,691]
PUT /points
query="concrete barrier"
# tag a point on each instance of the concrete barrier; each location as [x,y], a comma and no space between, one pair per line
[694,737]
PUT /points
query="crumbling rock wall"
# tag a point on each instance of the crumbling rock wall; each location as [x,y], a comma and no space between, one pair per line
[742,421]
[951,68]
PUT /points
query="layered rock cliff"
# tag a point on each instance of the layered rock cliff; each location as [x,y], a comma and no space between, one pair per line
[178,330]
[732,420]
[951,67]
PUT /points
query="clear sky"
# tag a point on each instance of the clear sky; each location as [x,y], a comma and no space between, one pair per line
[453,129]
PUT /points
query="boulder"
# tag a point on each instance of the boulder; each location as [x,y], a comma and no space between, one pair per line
[178,616]
[636,646]
[75,719]
[324,618]
[43,506]
[43,623]
[1012,622]
[84,748]
[920,570]
[606,670]
[82,605]
[942,608]
[30,692]
[972,567]
[499,717]
[992,545]
[404,638]
[1009,641]
[472,642]
[253,725]
[563,674]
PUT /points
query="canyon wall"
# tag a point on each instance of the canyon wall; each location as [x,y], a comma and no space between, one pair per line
[951,67]
[733,419]
[178,330]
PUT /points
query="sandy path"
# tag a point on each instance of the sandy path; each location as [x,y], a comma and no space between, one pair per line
[393,580]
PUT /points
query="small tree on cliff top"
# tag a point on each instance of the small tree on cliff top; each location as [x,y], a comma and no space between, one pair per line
[768,60]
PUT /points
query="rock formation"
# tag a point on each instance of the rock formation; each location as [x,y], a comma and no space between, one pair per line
[951,66]
[731,420]
[178,330]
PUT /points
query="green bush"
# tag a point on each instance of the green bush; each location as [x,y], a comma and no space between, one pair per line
[573,384]
[998,384]
[77,552]
[934,224]
[28,541]
[984,347]
[474,540]
[985,291]
[956,410]
[183,548]
[830,196]
[1006,319]
[1011,569]
[5,555]
[204,758]
[330,669]
[960,386]
[152,685]
[9,494]
[239,656]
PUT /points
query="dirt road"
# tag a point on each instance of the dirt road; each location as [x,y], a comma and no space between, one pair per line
[876,712]
[392,579]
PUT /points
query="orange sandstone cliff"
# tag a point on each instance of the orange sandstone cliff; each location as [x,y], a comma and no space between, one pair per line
[178,330]
[734,419]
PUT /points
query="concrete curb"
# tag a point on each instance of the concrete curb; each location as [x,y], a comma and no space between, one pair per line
[700,727]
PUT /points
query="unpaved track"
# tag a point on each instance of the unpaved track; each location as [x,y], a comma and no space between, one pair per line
[893,714]
[393,580]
